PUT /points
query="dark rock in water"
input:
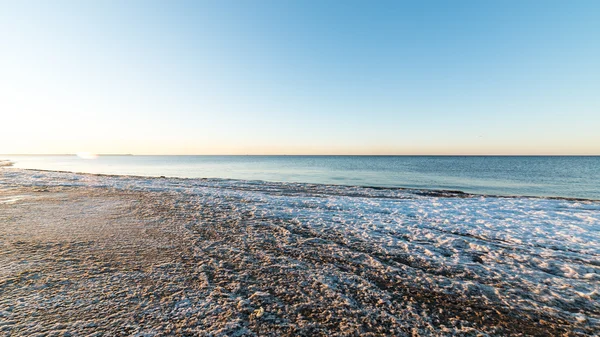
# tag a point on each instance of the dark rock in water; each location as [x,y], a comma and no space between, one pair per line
[477,259]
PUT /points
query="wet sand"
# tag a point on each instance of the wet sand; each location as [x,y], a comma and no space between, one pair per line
[83,261]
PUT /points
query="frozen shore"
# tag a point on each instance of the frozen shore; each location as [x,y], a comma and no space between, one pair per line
[84,254]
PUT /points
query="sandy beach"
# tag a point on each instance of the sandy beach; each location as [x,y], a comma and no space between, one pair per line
[92,255]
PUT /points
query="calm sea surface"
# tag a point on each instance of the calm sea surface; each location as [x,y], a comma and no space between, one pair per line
[531,176]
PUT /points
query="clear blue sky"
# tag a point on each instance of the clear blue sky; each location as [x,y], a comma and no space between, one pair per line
[300,77]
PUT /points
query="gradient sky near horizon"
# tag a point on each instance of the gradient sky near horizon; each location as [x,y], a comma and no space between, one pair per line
[300,77]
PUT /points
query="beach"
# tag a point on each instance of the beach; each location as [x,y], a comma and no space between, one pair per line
[108,255]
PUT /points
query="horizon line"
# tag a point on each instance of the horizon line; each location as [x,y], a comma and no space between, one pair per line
[310,155]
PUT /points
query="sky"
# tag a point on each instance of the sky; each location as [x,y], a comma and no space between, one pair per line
[300,77]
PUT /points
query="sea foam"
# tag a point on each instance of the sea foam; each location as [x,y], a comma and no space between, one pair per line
[525,253]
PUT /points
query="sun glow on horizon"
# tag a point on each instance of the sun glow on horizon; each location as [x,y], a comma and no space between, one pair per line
[87,155]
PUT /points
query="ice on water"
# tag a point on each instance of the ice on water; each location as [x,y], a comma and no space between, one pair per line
[526,253]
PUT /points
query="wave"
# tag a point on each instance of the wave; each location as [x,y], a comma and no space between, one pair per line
[330,187]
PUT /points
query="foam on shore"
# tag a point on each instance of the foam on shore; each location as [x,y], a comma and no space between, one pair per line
[525,253]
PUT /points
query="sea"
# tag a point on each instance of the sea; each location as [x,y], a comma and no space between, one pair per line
[542,176]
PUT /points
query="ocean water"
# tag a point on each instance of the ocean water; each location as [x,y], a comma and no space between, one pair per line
[555,176]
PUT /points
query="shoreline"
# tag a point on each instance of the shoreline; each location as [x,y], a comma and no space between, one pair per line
[431,192]
[84,253]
